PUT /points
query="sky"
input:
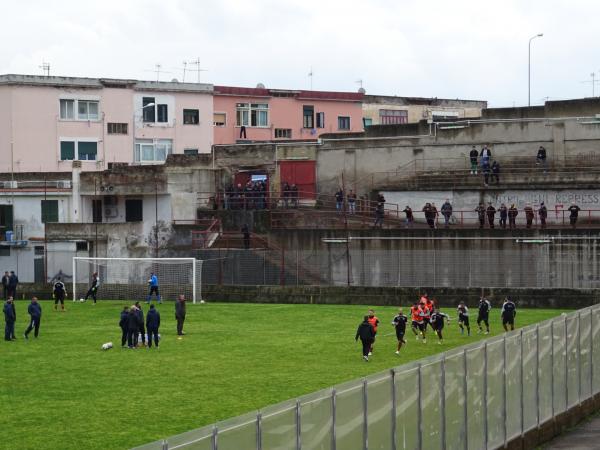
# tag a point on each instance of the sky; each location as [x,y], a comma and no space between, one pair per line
[446,49]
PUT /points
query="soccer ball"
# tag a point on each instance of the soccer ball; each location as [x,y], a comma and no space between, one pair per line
[202,301]
[107,346]
[82,300]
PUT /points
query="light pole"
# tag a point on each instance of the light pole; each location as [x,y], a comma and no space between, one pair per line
[529,69]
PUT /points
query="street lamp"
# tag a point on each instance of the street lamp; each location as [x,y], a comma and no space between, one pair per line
[529,69]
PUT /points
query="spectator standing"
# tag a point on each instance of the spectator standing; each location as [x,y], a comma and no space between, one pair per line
[339,200]
[486,155]
[485,167]
[379,214]
[435,214]
[512,216]
[351,202]
[446,212]
[152,325]
[5,279]
[246,236]
[473,155]
[541,158]
[180,314]
[573,214]
[429,215]
[409,216]
[481,215]
[13,282]
[503,215]
[491,214]
[35,312]
[543,214]
[496,172]
[529,215]
[10,318]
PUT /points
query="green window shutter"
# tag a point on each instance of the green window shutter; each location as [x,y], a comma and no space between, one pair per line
[49,211]
[87,151]
[67,150]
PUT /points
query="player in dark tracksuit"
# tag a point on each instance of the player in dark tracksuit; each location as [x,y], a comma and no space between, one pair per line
[508,313]
[180,314]
[59,294]
[35,312]
[399,322]
[437,321]
[152,325]
[463,318]
[132,328]
[141,329]
[366,334]
[484,315]
[93,290]
[10,318]
[123,325]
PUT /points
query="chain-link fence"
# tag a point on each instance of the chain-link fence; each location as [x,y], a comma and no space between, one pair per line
[410,262]
[479,396]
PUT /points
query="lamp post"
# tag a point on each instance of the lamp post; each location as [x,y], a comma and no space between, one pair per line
[529,69]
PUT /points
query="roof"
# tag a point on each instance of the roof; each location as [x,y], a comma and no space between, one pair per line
[99,83]
[301,95]
[431,101]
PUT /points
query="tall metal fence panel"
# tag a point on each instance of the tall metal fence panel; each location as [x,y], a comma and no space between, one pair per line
[480,396]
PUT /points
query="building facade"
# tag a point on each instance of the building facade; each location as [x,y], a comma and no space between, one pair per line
[99,121]
[260,114]
[392,110]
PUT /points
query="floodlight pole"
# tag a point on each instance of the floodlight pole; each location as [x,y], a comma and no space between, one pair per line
[529,69]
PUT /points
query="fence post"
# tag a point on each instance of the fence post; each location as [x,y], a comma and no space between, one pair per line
[485,414]
[465,399]
[214,440]
[165,445]
[419,409]
[298,426]
[258,431]
[551,365]
[504,393]
[333,411]
[579,355]
[537,378]
[566,366]
[593,391]
[521,383]
[443,402]
[394,431]
[365,416]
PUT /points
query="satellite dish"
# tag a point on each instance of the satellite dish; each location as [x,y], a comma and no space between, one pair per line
[362,91]
[260,86]
[174,80]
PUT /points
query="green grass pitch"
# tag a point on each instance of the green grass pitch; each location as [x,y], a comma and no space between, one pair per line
[61,391]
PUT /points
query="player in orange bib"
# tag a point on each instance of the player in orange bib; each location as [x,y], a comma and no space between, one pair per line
[416,320]
[373,321]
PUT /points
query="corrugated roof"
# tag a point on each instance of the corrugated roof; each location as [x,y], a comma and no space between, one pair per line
[242,91]
[301,95]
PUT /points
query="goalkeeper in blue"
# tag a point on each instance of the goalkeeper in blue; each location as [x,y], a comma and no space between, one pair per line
[153,284]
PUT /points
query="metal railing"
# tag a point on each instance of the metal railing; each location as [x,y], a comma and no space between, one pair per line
[479,396]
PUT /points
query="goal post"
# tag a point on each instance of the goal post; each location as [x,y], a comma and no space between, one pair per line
[127,278]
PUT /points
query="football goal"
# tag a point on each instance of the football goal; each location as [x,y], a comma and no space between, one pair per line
[129,278]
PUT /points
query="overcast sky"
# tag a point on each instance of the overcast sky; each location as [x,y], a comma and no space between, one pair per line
[453,49]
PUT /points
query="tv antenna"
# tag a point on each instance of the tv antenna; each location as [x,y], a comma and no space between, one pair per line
[360,83]
[593,82]
[198,68]
[311,74]
[46,68]
[158,70]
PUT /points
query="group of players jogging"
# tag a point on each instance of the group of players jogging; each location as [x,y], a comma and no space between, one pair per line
[424,313]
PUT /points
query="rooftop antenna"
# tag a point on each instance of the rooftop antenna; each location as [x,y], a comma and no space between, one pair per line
[311,75]
[158,70]
[360,83]
[46,68]
[198,68]
[594,81]
[184,68]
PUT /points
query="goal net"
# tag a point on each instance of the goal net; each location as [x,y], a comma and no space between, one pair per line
[128,278]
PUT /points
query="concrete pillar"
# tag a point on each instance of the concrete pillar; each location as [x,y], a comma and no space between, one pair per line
[75,193]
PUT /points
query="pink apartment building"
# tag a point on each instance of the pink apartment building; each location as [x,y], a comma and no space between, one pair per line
[46,123]
[260,114]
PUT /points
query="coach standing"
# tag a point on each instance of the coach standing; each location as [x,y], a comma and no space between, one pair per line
[35,311]
[180,314]
[367,336]
[9,317]
[152,325]
[5,279]
[13,281]
[132,327]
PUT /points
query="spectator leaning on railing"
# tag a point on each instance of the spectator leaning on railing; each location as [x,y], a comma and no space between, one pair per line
[446,212]
[503,215]
[339,200]
[543,214]
[491,214]
[574,213]
[409,216]
[512,216]
[528,214]
[481,214]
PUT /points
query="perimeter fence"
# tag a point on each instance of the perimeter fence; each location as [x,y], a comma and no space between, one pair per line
[479,396]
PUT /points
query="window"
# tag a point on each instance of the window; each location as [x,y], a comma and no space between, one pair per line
[117,128]
[343,123]
[87,110]
[6,220]
[252,114]
[67,109]
[148,112]
[392,116]
[81,246]
[367,122]
[283,133]
[320,120]
[49,211]
[78,150]
[38,250]
[152,150]
[190,151]
[308,114]
[162,115]
[219,119]
[133,211]
[4,251]
[191,116]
